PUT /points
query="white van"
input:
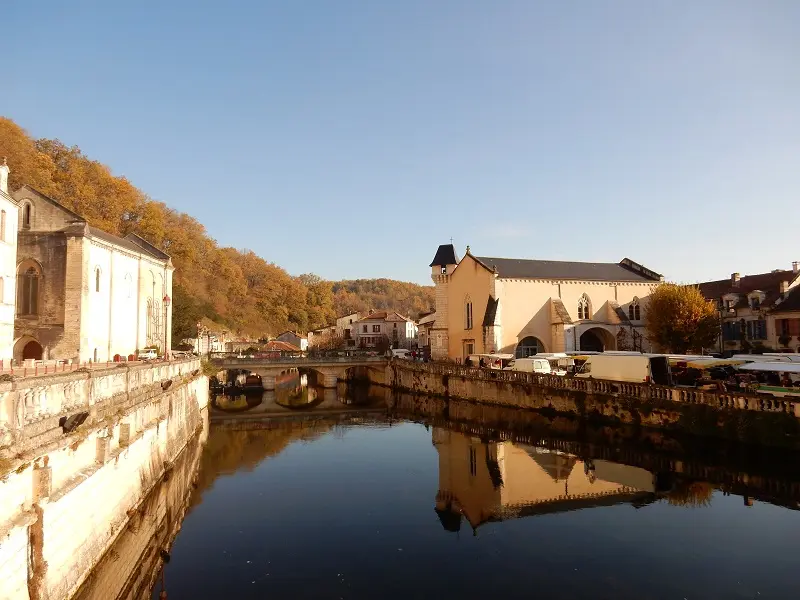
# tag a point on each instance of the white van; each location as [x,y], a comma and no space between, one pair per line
[401,353]
[641,368]
[530,365]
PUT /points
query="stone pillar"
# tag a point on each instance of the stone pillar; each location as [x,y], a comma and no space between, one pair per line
[124,434]
[268,382]
[103,450]
[330,396]
[42,483]
[329,380]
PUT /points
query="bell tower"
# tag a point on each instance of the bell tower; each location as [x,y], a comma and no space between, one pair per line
[442,267]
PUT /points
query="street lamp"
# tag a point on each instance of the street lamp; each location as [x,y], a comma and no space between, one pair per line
[167,301]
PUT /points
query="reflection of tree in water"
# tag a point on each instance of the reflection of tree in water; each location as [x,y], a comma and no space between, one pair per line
[691,493]
[228,450]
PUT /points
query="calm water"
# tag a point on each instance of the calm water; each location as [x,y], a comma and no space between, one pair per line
[372,506]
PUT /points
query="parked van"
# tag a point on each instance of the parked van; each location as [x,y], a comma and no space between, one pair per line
[530,365]
[641,368]
[402,353]
[149,354]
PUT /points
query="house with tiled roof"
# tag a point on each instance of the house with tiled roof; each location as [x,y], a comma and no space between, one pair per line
[523,306]
[761,310]
[295,339]
[379,327]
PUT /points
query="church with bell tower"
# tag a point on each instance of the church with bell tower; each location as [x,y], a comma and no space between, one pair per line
[488,305]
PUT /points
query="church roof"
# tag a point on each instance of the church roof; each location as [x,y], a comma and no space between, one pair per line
[126,243]
[521,268]
[147,246]
[445,255]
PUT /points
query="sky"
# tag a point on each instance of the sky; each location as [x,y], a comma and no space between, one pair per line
[350,139]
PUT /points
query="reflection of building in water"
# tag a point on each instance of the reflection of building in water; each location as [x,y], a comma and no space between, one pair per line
[500,480]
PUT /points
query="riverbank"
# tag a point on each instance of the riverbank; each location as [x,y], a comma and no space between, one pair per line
[739,416]
[83,450]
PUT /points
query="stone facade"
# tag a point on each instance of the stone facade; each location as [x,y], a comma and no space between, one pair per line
[492,305]
[8,262]
[85,294]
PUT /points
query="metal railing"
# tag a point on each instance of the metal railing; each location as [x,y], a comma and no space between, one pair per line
[281,356]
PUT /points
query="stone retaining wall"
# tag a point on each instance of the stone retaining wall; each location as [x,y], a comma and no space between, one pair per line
[66,496]
[742,416]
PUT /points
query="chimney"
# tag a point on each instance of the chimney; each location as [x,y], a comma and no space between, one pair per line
[784,287]
[735,279]
[795,267]
[4,171]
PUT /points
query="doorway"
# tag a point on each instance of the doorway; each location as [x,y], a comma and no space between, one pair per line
[32,350]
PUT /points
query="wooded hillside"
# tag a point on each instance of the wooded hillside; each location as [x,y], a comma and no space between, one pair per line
[234,288]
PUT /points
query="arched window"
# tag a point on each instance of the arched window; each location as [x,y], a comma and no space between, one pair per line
[528,347]
[467,313]
[634,311]
[584,307]
[28,277]
[149,321]
[26,216]
[2,225]
[97,279]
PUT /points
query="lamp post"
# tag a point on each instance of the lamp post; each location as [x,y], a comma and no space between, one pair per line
[167,301]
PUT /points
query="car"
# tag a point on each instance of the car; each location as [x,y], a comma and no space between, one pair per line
[149,354]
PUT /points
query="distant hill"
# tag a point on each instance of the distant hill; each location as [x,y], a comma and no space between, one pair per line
[409,299]
[234,288]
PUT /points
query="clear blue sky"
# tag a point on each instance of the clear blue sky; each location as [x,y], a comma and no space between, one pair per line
[351,138]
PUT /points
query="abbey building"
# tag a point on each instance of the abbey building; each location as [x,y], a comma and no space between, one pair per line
[84,294]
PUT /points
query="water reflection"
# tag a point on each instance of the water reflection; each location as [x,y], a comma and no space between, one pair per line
[297,391]
[484,482]
[361,506]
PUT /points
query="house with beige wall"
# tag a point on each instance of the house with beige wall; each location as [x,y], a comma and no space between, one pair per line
[757,311]
[397,330]
[523,307]
[8,264]
[82,293]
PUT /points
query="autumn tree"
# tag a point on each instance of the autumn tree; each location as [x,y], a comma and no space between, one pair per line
[679,319]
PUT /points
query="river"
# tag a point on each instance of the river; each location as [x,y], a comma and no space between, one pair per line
[385,503]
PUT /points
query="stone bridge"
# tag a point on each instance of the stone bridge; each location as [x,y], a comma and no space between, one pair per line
[333,366]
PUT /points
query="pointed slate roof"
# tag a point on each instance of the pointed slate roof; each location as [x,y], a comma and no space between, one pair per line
[445,255]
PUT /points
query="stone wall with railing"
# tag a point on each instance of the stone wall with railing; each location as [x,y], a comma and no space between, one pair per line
[81,451]
[744,416]
[31,408]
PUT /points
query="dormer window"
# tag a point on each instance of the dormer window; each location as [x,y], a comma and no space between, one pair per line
[755,298]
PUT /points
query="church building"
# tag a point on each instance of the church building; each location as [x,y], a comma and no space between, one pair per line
[8,262]
[83,293]
[523,307]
